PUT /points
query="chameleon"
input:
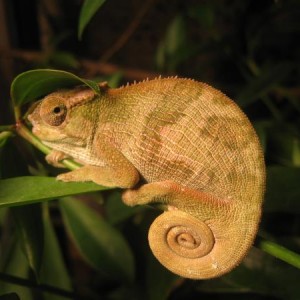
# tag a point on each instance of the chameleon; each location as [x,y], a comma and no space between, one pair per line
[173,142]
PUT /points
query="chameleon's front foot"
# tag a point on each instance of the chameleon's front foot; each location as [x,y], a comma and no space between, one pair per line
[55,157]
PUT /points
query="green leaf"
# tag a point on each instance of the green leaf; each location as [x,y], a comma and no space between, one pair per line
[88,10]
[99,243]
[173,49]
[117,211]
[31,189]
[280,252]
[31,231]
[284,143]
[159,280]
[4,136]
[283,189]
[31,85]
[15,265]
[53,269]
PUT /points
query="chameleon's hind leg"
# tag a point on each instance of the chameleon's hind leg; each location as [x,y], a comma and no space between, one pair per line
[175,196]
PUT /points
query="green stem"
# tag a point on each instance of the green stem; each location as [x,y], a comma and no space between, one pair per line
[24,132]
[17,112]
[7,127]
[5,134]
[34,285]
[280,252]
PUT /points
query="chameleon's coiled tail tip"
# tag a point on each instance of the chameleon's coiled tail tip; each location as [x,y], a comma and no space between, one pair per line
[182,243]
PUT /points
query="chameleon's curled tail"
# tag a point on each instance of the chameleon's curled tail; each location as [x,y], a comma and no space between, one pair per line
[194,249]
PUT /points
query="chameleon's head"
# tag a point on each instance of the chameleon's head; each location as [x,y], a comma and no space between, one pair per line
[61,117]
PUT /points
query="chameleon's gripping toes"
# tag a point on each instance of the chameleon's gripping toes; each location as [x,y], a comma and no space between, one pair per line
[172,141]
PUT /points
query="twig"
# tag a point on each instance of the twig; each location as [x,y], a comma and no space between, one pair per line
[34,285]
[133,25]
[90,67]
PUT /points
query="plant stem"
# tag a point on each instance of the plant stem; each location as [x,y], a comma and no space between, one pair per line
[23,131]
[7,127]
[17,112]
[31,284]
[5,134]
[280,252]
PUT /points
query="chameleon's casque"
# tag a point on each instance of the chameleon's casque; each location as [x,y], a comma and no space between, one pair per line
[170,141]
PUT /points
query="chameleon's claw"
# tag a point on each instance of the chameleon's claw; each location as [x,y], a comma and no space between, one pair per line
[55,157]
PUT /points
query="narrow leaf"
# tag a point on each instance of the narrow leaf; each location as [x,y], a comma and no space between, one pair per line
[32,189]
[15,265]
[281,252]
[99,243]
[4,136]
[53,269]
[31,231]
[31,85]
[88,10]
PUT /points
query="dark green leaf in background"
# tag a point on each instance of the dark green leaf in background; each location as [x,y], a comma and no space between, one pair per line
[10,296]
[31,232]
[88,10]
[283,192]
[259,273]
[16,264]
[117,211]
[4,136]
[263,83]
[53,269]
[31,85]
[30,189]
[99,243]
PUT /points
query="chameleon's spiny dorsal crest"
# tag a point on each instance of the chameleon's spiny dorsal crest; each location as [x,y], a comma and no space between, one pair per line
[191,148]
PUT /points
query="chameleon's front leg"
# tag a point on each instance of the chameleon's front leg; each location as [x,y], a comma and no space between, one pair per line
[115,171]
[200,236]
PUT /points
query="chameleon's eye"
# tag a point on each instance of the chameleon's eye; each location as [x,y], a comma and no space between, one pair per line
[53,111]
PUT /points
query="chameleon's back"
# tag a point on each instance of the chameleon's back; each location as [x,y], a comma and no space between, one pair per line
[186,132]
[191,133]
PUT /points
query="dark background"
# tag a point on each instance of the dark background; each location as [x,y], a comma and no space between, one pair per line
[248,49]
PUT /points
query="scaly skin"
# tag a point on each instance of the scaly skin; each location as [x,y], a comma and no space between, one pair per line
[172,141]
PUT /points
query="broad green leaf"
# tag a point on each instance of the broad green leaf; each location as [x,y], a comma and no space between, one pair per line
[31,85]
[31,232]
[53,269]
[32,189]
[263,83]
[99,243]
[283,189]
[88,10]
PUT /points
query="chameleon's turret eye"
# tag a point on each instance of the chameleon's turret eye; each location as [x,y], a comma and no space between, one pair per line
[53,111]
